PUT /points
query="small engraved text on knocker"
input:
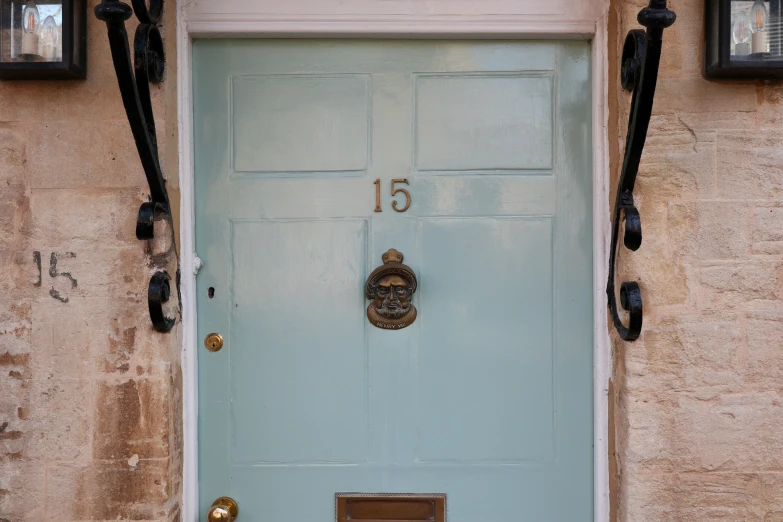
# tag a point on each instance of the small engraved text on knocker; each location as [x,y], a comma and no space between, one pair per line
[390,289]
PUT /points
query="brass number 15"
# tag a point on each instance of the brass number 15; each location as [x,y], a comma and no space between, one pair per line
[394,191]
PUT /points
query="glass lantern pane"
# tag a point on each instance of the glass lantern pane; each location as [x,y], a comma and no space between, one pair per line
[31,31]
[755,33]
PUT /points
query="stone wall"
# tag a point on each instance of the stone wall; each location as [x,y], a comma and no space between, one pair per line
[90,402]
[698,399]
[90,409]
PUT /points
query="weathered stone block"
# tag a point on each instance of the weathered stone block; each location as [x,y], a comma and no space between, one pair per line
[132,418]
[764,358]
[61,420]
[678,171]
[704,124]
[109,490]
[723,230]
[94,336]
[72,219]
[694,94]
[22,491]
[733,431]
[687,354]
[15,215]
[98,155]
[749,164]
[646,497]
[768,230]
[13,145]
[730,285]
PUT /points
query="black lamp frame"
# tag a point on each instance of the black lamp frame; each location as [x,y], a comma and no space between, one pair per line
[74,62]
[718,62]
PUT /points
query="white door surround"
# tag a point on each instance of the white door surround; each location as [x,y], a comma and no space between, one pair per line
[465,19]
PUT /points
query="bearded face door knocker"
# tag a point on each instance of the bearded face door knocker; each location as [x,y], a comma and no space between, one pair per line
[390,287]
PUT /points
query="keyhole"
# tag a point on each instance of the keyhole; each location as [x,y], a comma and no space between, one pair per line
[211,292]
[213,342]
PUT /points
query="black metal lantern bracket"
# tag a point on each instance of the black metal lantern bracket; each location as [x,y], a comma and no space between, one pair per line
[134,81]
[639,74]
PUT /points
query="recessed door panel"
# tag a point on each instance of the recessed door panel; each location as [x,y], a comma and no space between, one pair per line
[469,163]
[483,122]
[299,380]
[486,342]
[300,123]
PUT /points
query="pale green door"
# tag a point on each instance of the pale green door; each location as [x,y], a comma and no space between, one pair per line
[487,396]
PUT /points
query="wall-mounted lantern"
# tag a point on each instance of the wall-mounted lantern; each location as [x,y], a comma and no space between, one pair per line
[43,39]
[744,39]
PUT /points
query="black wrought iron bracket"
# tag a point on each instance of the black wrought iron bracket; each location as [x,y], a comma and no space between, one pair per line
[134,80]
[639,74]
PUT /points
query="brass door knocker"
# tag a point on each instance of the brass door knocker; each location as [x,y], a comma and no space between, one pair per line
[390,287]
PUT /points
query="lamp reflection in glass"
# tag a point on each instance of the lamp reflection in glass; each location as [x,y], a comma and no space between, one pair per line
[31,21]
[49,39]
[740,33]
[758,24]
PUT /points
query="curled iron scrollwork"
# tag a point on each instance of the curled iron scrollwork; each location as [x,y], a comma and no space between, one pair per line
[134,80]
[639,74]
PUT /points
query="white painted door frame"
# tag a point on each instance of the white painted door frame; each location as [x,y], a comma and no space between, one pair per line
[466,19]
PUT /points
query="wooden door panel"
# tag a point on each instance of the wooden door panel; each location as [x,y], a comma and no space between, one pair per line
[300,123]
[486,340]
[487,396]
[301,375]
[483,122]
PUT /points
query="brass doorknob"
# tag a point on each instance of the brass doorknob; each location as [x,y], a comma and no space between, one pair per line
[224,509]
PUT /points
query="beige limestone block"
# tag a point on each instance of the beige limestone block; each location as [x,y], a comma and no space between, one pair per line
[15,215]
[132,417]
[713,351]
[19,275]
[765,357]
[83,155]
[60,419]
[650,442]
[768,229]
[682,56]
[723,230]
[13,149]
[68,219]
[668,285]
[646,497]
[730,285]
[679,170]
[96,336]
[749,165]
[695,94]
[706,123]
[733,431]
[682,227]
[22,491]
[688,354]
[16,430]
[15,326]
[107,272]
[719,496]
[108,490]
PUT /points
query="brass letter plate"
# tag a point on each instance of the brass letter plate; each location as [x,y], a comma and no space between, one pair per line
[390,507]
